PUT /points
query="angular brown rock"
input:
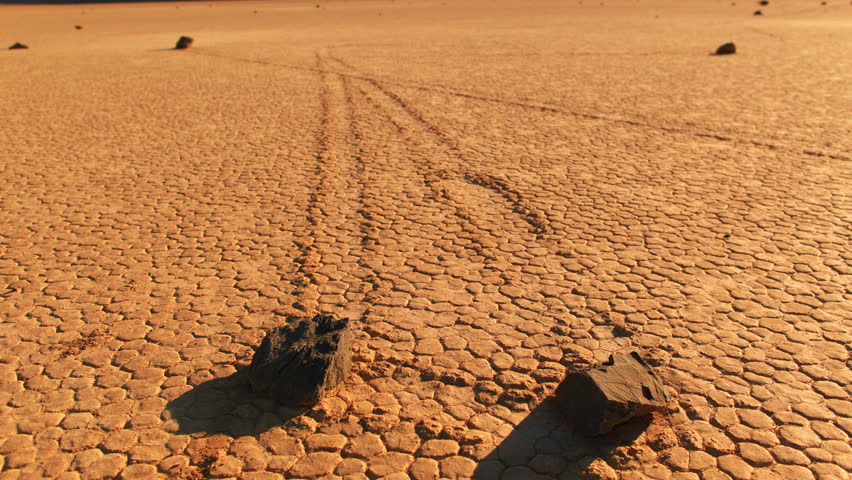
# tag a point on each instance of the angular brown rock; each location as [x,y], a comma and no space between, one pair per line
[726,49]
[299,363]
[598,399]
[183,43]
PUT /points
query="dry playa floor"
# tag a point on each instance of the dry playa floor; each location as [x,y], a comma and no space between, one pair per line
[495,192]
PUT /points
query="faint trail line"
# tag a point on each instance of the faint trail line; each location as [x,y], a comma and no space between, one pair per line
[412,163]
[606,118]
[340,218]
[372,287]
[560,109]
[432,177]
[435,176]
[438,176]
[306,288]
[559,256]
[536,221]
[476,209]
[535,218]
[768,34]
[321,200]
[542,107]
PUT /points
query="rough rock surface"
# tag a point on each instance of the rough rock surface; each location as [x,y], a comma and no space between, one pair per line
[183,43]
[598,399]
[726,49]
[298,363]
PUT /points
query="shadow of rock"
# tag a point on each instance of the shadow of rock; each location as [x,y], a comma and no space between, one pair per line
[545,447]
[227,405]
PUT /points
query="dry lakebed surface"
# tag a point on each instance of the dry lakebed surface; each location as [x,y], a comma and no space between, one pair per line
[495,193]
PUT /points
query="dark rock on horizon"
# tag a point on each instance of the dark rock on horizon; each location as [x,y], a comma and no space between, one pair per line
[183,43]
[78,27]
[764,3]
[758,12]
[598,399]
[18,46]
[727,49]
[299,363]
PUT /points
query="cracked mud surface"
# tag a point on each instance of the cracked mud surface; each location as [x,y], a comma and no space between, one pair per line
[494,194]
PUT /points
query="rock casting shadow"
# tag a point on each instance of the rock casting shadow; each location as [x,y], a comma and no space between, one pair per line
[229,406]
[544,446]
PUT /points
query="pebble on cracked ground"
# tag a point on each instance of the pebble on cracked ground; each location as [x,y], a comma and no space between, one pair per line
[496,194]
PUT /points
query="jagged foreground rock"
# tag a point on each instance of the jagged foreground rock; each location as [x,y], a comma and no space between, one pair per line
[598,399]
[298,363]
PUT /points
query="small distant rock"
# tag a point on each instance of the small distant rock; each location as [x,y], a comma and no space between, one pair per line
[764,2]
[78,27]
[598,399]
[183,43]
[299,363]
[727,49]
[758,12]
[18,46]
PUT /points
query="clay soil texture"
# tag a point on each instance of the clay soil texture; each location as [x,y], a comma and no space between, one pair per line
[494,192]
